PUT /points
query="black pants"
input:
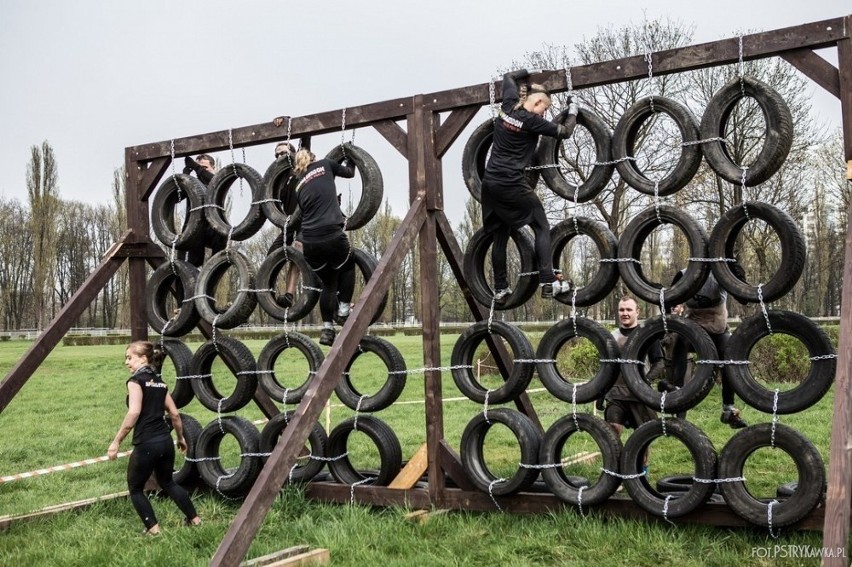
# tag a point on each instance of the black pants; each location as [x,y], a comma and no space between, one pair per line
[334,265]
[156,457]
[544,259]
[679,363]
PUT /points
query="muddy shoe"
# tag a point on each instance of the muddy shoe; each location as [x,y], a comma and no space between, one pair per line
[733,419]
[285,300]
[327,337]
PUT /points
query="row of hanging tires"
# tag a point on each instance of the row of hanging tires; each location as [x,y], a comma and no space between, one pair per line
[613,361]
[273,198]
[541,455]
[194,378]
[622,257]
[615,149]
[195,290]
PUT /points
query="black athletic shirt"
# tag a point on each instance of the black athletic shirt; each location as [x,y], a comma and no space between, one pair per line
[317,194]
[151,426]
[516,134]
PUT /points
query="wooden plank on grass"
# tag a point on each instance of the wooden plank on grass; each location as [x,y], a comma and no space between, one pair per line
[291,557]
[7,521]
[413,471]
[265,560]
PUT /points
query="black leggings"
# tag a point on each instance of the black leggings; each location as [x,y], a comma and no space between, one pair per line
[541,229]
[679,363]
[156,457]
[332,261]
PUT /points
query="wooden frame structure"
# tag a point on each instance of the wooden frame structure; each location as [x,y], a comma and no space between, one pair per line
[423,143]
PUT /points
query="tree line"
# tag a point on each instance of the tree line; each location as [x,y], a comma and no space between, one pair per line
[48,246]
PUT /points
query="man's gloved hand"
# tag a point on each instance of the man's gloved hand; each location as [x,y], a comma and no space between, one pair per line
[518,75]
[187,170]
[191,164]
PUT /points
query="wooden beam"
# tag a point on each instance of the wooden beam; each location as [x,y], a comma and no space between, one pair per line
[815,68]
[394,134]
[815,35]
[413,471]
[67,316]
[838,499]
[7,521]
[452,128]
[267,132]
[150,176]
[291,557]
[452,466]
[251,514]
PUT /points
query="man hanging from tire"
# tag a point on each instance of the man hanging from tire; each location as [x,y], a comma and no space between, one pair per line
[709,309]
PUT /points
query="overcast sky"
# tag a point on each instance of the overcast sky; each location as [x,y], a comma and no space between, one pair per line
[95,76]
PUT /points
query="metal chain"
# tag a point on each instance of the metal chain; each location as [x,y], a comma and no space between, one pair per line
[763,307]
[663,413]
[741,66]
[774,418]
[492,97]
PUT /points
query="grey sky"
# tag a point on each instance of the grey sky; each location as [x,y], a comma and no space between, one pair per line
[95,76]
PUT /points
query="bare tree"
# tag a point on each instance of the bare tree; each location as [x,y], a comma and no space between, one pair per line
[15,267]
[43,192]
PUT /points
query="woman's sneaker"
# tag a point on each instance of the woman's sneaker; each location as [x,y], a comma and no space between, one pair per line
[732,418]
[548,290]
[327,337]
[501,294]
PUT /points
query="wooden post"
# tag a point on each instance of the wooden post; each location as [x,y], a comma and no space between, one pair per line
[837,505]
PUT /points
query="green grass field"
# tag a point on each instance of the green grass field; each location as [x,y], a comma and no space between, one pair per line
[70,409]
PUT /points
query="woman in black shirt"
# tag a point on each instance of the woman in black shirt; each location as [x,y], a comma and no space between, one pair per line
[325,244]
[153,451]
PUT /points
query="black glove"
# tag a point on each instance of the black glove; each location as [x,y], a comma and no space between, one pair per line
[519,75]
[600,405]
[191,164]
[187,170]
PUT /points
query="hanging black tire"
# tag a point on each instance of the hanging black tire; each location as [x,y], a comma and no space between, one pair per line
[217,195]
[366,264]
[566,487]
[793,251]
[633,239]
[270,383]
[549,153]
[386,441]
[279,191]
[779,131]
[307,292]
[188,471]
[306,467]
[235,482]
[624,145]
[179,277]
[640,490]
[239,357]
[475,157]
[172,191]
[181,358]
[245,300]
[390,390]
[474,270]
[810,390]
[472,451]
[809,465]
[606,277]
[465,350]
[636,348]
[588,389]
[372,184]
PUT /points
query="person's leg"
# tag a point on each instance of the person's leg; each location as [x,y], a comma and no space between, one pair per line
[543,251]
[315,256]
[163,471]
[139,469]
[292,277]
[730,414]
[498,258]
